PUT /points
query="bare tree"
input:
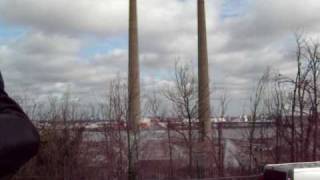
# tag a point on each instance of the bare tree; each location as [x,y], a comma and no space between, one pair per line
[117,110]
[183,98]
[153,104]
[60,155]
[276,110]
[313,55]
[224,102]
[256,102]
[304,104]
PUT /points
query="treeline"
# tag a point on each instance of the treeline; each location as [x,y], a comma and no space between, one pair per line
[291,103]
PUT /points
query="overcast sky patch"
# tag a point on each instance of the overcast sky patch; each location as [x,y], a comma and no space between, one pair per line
[48,46]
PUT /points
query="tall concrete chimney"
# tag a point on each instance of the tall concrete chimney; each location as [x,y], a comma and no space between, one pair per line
[133,76]
[133,91]
[203,74]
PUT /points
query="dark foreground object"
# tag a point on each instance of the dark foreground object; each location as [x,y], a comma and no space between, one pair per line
[292,171]
[19,140]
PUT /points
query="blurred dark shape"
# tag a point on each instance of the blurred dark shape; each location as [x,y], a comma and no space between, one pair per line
[19,139]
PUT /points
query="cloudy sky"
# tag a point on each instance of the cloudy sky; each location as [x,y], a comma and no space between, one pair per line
[48,46]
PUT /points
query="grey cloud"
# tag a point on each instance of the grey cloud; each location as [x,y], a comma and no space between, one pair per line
[270,21]
[39,43]
[71,17]
[52,68]
[46,60]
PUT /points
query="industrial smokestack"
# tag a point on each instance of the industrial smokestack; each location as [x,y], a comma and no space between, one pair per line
[203,74]
[133,76]
[133,91]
